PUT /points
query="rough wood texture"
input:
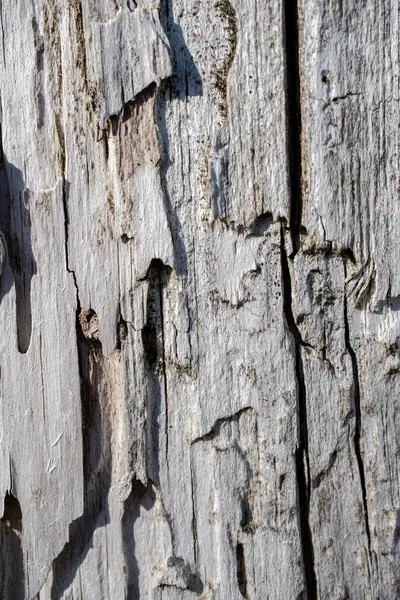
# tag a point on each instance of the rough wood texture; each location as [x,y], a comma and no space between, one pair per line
[199,300]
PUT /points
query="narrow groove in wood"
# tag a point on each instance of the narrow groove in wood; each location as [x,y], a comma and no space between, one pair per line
[65,195]
[357,412]
[241,570]
[293,119]
[303,476]
[194,520]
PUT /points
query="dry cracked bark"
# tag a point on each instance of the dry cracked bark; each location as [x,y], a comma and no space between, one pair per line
[199,299]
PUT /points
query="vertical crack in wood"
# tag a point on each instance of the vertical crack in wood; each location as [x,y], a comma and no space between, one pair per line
[302,456]
[304,480]
[154,352]
[194,520]
[294,127]
[293,119]
[65,193]
[241,570]
[163,364]
[42,378]
[357,412]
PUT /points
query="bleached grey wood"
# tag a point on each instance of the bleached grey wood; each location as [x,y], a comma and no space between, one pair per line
[351,113]
[198,300]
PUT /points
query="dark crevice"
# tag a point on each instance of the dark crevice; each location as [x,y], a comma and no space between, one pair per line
[327,251]
[125,238]
[139,100]
[112,125]
[106,147]
[12,576]
[287,295]
[293,119]
[186,574]
[12,514]
[128,109]
[302,454]
[215,430]
[122,331]
[65,195]
[194,518]
[321,476]
[241,570]
[152,333]
[257,228]
[303,482]
[339,98]
[23,263]
[66,186]
[347,253]
[154,351]
[357,412]
[247,515]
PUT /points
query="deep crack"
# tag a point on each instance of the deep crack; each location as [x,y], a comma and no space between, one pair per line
[357,411]
[293,119]
[303,476]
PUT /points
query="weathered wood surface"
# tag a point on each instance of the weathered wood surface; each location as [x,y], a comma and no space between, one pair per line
[199,300]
